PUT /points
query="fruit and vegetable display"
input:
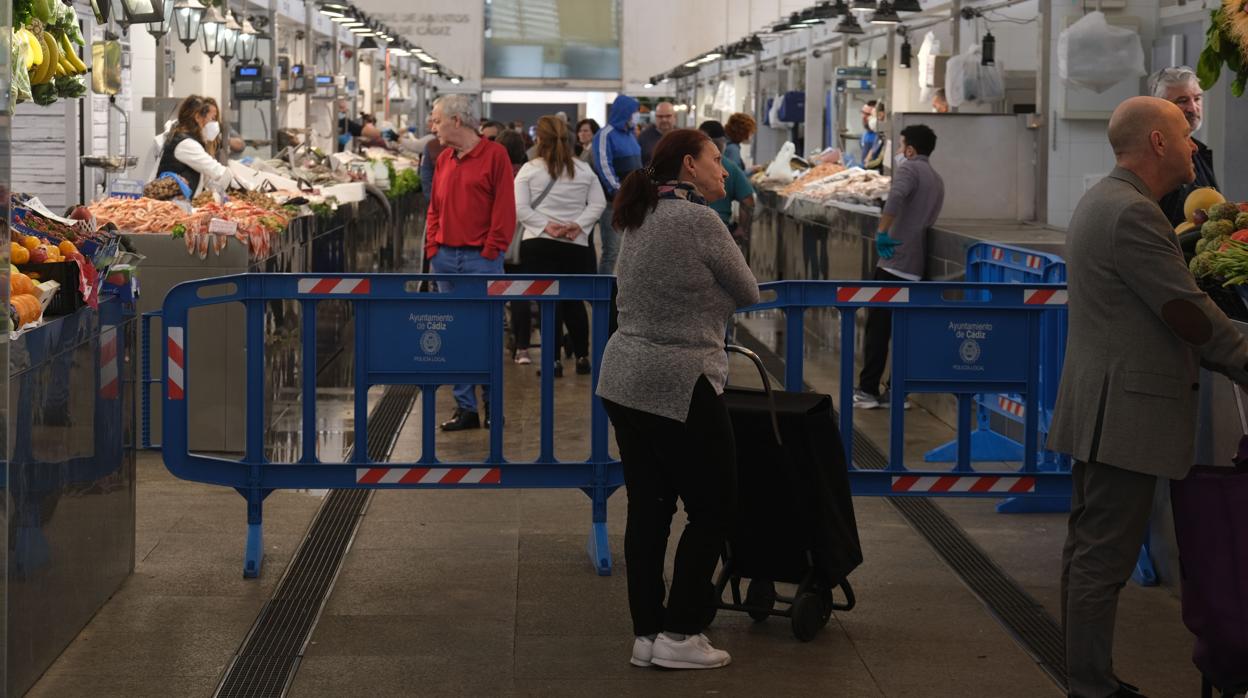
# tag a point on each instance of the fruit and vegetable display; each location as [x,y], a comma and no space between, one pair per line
[1222,250]
[57,261]
[26,298]
[402,181]
[1226,43]
[44,60]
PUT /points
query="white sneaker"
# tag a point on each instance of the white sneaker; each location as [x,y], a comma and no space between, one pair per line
[864,400]
[693,652]
[522,357]
[886,400]
[643,650]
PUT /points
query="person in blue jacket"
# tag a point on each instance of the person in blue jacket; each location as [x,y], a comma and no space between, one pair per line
[616,153]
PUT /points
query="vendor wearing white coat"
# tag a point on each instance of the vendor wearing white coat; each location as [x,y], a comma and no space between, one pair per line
[558,200]
[184,153]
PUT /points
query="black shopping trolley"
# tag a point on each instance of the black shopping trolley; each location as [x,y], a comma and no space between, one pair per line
[795,522]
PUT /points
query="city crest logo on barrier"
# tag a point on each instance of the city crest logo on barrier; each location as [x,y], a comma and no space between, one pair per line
[430,342]
[969,351]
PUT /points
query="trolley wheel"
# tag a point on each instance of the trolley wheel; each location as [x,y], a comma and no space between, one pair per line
[807,616]
[760,598]
[829,604]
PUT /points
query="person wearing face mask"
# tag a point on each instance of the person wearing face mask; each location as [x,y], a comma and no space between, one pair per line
[349,128]
[184,152]
[662,378]
[914,202]
[1181,87]
[873,154]
[616,154]
[227,143]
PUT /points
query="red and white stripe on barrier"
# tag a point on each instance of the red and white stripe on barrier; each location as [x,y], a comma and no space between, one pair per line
[334,287]
[963,483]
[109,378]
[871,294]
[1043,296]
[541,287]
[428,476]
[175,372]
[1013,407]
[1032,261]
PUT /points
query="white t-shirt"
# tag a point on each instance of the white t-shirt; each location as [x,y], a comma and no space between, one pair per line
[577,200]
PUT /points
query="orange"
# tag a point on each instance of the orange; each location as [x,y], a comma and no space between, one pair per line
[30,242]
[18,254]
[66,248]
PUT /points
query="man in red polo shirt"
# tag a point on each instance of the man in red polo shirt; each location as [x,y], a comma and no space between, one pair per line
[472,216]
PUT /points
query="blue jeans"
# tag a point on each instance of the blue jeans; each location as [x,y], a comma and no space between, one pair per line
[610,242]
[465,260]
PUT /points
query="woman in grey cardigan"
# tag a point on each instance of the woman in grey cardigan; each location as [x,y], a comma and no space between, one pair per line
[680,279]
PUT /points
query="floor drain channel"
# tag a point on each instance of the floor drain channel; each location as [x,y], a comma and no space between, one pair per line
[266,662]
[1020,613]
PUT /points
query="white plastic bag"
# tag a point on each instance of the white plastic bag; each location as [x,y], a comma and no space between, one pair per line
[773,116]
[968,82]
[780,169]
[928,51]
[1094,55]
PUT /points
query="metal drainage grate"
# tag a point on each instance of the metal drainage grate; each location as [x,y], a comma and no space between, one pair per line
[1021,614]
[266,662]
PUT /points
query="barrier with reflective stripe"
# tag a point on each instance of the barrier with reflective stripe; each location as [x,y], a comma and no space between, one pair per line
[959,338]
[403,336]
[999,417]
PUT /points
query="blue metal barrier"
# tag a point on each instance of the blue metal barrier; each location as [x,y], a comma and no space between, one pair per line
[959,338]
[998,263]
[404,335]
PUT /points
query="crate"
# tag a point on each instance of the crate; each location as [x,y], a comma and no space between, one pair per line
[68,298]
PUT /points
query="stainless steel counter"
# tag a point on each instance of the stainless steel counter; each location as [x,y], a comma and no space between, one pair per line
[71,481]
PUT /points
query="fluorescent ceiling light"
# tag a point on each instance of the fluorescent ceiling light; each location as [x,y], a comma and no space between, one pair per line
[712,56]
[343,19]
[362,30]
[426,58]
[330,13]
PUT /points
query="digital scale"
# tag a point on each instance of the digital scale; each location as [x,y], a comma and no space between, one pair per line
[298,79]
[326,86]
[252,82]
[854,78]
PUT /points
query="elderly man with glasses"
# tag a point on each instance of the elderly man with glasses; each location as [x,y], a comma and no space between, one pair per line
[1181,87]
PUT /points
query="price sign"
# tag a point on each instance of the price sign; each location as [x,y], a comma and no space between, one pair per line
[220,226]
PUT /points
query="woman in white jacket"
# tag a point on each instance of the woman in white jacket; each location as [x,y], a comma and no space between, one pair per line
[558,200]
[184,153]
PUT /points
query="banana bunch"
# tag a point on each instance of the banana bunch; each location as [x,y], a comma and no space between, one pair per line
[55,56]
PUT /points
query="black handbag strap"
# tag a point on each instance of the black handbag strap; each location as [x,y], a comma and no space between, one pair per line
[762,372]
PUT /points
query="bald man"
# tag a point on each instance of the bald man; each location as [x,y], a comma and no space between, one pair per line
[1140,330]
[664,123]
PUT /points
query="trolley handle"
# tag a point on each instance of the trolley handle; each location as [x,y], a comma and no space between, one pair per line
[762,372]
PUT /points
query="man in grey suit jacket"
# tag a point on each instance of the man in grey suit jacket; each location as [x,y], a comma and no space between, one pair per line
[1140,330]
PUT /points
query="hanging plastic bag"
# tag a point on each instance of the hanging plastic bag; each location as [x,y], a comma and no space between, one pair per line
[929,50]
[780,169]
[773,116]
[969,82]
[1094,55]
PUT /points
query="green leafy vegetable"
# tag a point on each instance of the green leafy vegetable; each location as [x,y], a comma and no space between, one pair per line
[1221,49]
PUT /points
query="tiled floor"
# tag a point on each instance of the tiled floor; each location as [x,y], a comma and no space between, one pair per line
[490,593]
